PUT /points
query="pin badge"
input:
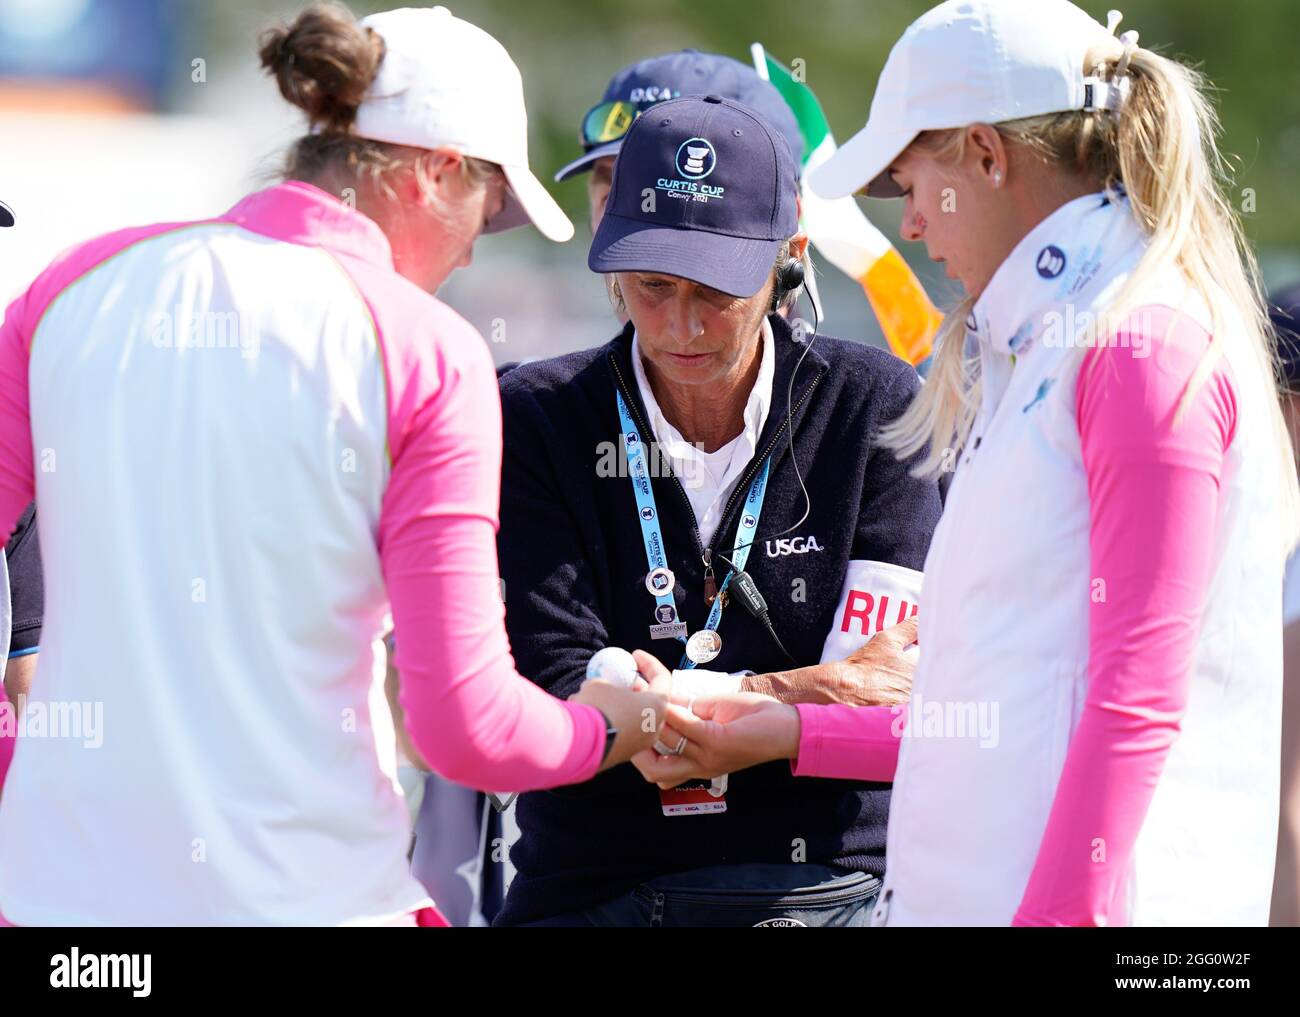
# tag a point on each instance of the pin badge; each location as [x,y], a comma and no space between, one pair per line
[667,626]
[660,581]
[703,646]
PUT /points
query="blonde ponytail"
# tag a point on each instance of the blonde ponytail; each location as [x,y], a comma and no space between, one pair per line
[1162,148]
[940,417]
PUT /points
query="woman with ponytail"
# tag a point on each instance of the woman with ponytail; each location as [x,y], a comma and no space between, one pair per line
[1094,732]
[248,437]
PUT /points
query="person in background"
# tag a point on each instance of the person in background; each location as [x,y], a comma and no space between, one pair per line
[271,500]
[22,599]
[1284,310]
[646,83]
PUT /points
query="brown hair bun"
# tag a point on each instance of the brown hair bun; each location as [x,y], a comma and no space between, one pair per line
[324,63]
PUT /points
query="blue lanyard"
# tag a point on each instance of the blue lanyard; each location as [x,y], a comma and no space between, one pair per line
[651,534]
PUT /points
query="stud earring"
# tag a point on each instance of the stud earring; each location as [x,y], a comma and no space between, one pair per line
[997,178]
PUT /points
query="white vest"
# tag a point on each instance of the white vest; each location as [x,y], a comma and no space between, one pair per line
[1004,625]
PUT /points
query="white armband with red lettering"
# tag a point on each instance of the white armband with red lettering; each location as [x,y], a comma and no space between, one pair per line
[876,595]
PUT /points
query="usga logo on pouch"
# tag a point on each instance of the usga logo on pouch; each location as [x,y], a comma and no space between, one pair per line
[1051,262]
[696,158]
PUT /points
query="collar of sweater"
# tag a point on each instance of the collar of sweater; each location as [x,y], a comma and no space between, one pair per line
[786,351]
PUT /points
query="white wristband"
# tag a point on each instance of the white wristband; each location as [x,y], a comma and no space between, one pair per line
[697,682]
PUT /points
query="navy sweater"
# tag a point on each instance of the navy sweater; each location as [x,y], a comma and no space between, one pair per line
[574,566]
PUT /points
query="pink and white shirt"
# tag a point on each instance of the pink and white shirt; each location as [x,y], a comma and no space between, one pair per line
[248,438]
[1095,722]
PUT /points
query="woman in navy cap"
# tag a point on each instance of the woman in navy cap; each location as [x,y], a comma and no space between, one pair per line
[455,825]
[706,487]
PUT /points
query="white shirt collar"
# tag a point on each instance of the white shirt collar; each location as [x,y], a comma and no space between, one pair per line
[756,406]
[709,477]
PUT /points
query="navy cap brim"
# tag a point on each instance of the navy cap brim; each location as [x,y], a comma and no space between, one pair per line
[609,149]
[737,266]
[6,215]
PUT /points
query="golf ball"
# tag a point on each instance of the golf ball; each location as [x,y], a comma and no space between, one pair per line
[614,665]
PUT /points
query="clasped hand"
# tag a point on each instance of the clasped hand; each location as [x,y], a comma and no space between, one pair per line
[706,736]
[720,733]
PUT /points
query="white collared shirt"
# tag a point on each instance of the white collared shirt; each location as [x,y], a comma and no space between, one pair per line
[710,477]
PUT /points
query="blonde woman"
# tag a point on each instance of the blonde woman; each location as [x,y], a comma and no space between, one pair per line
[1094,731]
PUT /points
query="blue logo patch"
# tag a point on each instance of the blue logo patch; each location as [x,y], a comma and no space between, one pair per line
[1051,262]
[696,159]
[647,513]
[748,522]
[1044,387]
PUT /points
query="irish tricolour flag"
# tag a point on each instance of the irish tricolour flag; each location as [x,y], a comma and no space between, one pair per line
[846,238]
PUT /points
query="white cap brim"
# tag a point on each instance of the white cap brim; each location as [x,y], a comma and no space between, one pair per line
[528,201]
[862,161]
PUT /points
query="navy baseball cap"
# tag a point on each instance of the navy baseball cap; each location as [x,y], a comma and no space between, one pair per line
[721,189]
[6,215]
[648,82]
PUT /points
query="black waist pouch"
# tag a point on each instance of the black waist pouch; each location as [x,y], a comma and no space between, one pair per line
[762,896]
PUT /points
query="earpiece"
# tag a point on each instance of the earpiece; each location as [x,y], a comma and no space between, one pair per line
[789,279]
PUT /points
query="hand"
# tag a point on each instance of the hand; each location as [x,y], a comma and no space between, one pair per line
[725,733]
[876,674]
[639,713]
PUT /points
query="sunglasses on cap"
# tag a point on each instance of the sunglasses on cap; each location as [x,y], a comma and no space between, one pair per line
[609,121]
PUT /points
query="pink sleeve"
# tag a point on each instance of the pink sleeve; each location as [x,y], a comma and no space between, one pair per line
[472,716]
[848,742]
[16,478]
[1153,493]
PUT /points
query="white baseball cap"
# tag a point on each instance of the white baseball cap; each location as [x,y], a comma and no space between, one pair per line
[967,62]
[445,82]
